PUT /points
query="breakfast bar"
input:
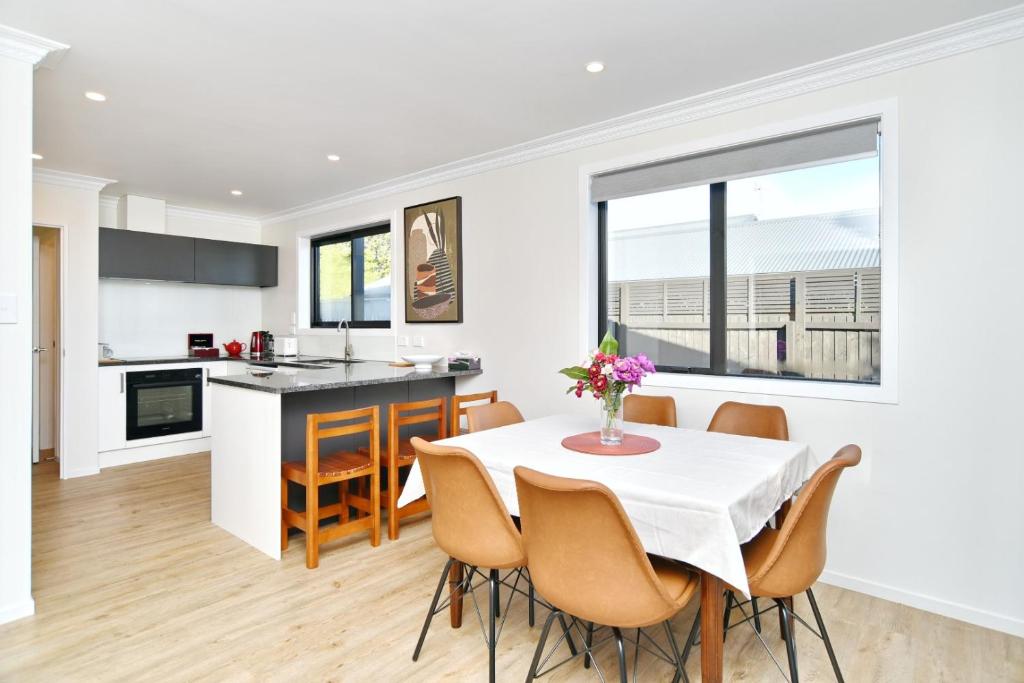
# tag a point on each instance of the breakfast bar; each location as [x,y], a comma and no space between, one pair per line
[260,421]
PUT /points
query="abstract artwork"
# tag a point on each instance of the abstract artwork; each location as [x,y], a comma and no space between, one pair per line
[433,262]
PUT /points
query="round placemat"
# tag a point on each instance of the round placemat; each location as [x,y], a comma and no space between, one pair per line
[590,442]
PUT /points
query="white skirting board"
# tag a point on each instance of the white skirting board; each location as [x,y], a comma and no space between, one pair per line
[245,466]
[127,456]
[954,610]
[17,610]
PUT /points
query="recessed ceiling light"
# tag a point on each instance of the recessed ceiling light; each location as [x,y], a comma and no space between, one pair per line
[37,157]
[95,96]
[595,67]
[333,157]
[237,193]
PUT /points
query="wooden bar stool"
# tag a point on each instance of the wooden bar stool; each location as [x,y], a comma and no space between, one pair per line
[459,407]
[339,468]
[400,453]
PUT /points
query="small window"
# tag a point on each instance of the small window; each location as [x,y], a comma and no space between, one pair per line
[757,260]
[351,278]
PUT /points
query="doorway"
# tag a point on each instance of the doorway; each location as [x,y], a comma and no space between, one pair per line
[46,345]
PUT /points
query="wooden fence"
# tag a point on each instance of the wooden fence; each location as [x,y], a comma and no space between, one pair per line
[821,324]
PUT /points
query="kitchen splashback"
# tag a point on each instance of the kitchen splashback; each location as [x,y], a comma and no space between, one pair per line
[153,319]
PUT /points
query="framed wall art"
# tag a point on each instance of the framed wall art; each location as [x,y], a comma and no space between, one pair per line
[433,262]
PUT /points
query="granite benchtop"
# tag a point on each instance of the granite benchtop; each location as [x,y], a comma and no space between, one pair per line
[350,375]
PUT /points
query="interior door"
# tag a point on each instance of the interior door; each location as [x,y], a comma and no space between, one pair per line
[35,348]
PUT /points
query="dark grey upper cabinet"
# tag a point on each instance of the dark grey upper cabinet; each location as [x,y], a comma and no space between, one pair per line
[146,256]
[235,263]
[153,256]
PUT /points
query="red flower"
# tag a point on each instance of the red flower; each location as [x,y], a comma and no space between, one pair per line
[600,383]
[594,371]
[579,388]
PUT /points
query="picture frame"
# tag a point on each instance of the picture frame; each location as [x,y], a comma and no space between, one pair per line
[432,261]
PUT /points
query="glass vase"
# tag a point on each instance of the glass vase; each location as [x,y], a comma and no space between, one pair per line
[611,419]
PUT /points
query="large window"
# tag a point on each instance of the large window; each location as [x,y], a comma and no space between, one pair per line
[770,269]
[351,278]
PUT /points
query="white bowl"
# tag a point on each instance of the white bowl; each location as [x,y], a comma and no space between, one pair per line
[423,361]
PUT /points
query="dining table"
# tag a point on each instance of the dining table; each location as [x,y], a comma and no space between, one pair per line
[696,498]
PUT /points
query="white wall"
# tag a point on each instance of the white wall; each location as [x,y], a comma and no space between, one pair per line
[934,516]
[16,339]
[153,319]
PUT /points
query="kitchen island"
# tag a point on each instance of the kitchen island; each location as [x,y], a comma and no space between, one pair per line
[258,422]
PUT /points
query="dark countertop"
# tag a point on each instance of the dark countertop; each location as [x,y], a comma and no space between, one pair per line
[292,380]
[167,360]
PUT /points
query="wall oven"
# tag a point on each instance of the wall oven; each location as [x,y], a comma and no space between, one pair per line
[163,402]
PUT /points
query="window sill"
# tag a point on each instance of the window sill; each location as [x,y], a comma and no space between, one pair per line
[770,386]
[355,332]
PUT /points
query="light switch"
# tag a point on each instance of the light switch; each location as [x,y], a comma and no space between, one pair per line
[418,341]
[8,308]
[403,340]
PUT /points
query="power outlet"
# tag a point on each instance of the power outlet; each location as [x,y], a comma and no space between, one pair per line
[403,340]
[419,341]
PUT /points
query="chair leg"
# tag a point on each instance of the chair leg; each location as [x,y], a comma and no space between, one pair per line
[783,615]
[824,635]
[757,615]
[568,635]
[284,506]
[375,507]
[728,613]
[312,524]
[680,672]
[533,599]
[392,497]
[692,638]
[492,613]
[343,500]
[433,608]
[588,640]
[532,674]
[620,645]
[787,634]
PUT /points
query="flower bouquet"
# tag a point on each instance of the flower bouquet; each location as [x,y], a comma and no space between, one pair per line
[608,377]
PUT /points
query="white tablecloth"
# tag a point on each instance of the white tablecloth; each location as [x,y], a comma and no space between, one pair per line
[695,499]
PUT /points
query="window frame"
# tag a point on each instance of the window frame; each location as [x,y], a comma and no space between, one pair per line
[592,234]
[355,273]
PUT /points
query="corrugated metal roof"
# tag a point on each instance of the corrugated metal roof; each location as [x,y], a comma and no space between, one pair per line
[799,243]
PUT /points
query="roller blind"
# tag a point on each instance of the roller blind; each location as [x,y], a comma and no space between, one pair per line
[858,139]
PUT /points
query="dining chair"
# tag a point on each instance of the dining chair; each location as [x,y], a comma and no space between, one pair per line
[653,410]
[748,419]
[587,561]
[492,415]
[473,527]
[400,453]
[459,407]
[339,467]
[784,562]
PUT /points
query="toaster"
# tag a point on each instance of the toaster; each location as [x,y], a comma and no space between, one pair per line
[286,346]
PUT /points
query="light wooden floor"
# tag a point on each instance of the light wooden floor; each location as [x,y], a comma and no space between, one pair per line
[133,583]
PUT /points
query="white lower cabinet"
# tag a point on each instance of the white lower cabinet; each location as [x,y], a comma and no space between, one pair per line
[111,404]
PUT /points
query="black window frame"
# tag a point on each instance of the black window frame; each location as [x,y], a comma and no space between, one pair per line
[717,293]
[355,272]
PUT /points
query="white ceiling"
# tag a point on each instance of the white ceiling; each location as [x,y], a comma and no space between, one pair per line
[207,96]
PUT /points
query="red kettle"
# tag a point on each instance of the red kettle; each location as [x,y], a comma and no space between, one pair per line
[234,348]
[256,344]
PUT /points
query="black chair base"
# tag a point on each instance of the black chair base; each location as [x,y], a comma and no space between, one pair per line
[787,622]
[539,666]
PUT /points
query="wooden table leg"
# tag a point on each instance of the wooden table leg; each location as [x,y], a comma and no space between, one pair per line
[711,632]
[455,590]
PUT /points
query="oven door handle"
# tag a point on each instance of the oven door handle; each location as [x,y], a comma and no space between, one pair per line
[160,385]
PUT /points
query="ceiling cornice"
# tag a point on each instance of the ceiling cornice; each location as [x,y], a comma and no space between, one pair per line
[989,29]
[110,202]
[27,47]
[75,181]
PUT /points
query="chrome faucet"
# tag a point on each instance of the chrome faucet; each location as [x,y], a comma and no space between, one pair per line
[348,345]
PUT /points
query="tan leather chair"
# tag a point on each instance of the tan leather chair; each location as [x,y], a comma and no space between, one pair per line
[787,561]
[459,407]
[492,415]
[587,561]
[472,525]
[652,410]
[747,419]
